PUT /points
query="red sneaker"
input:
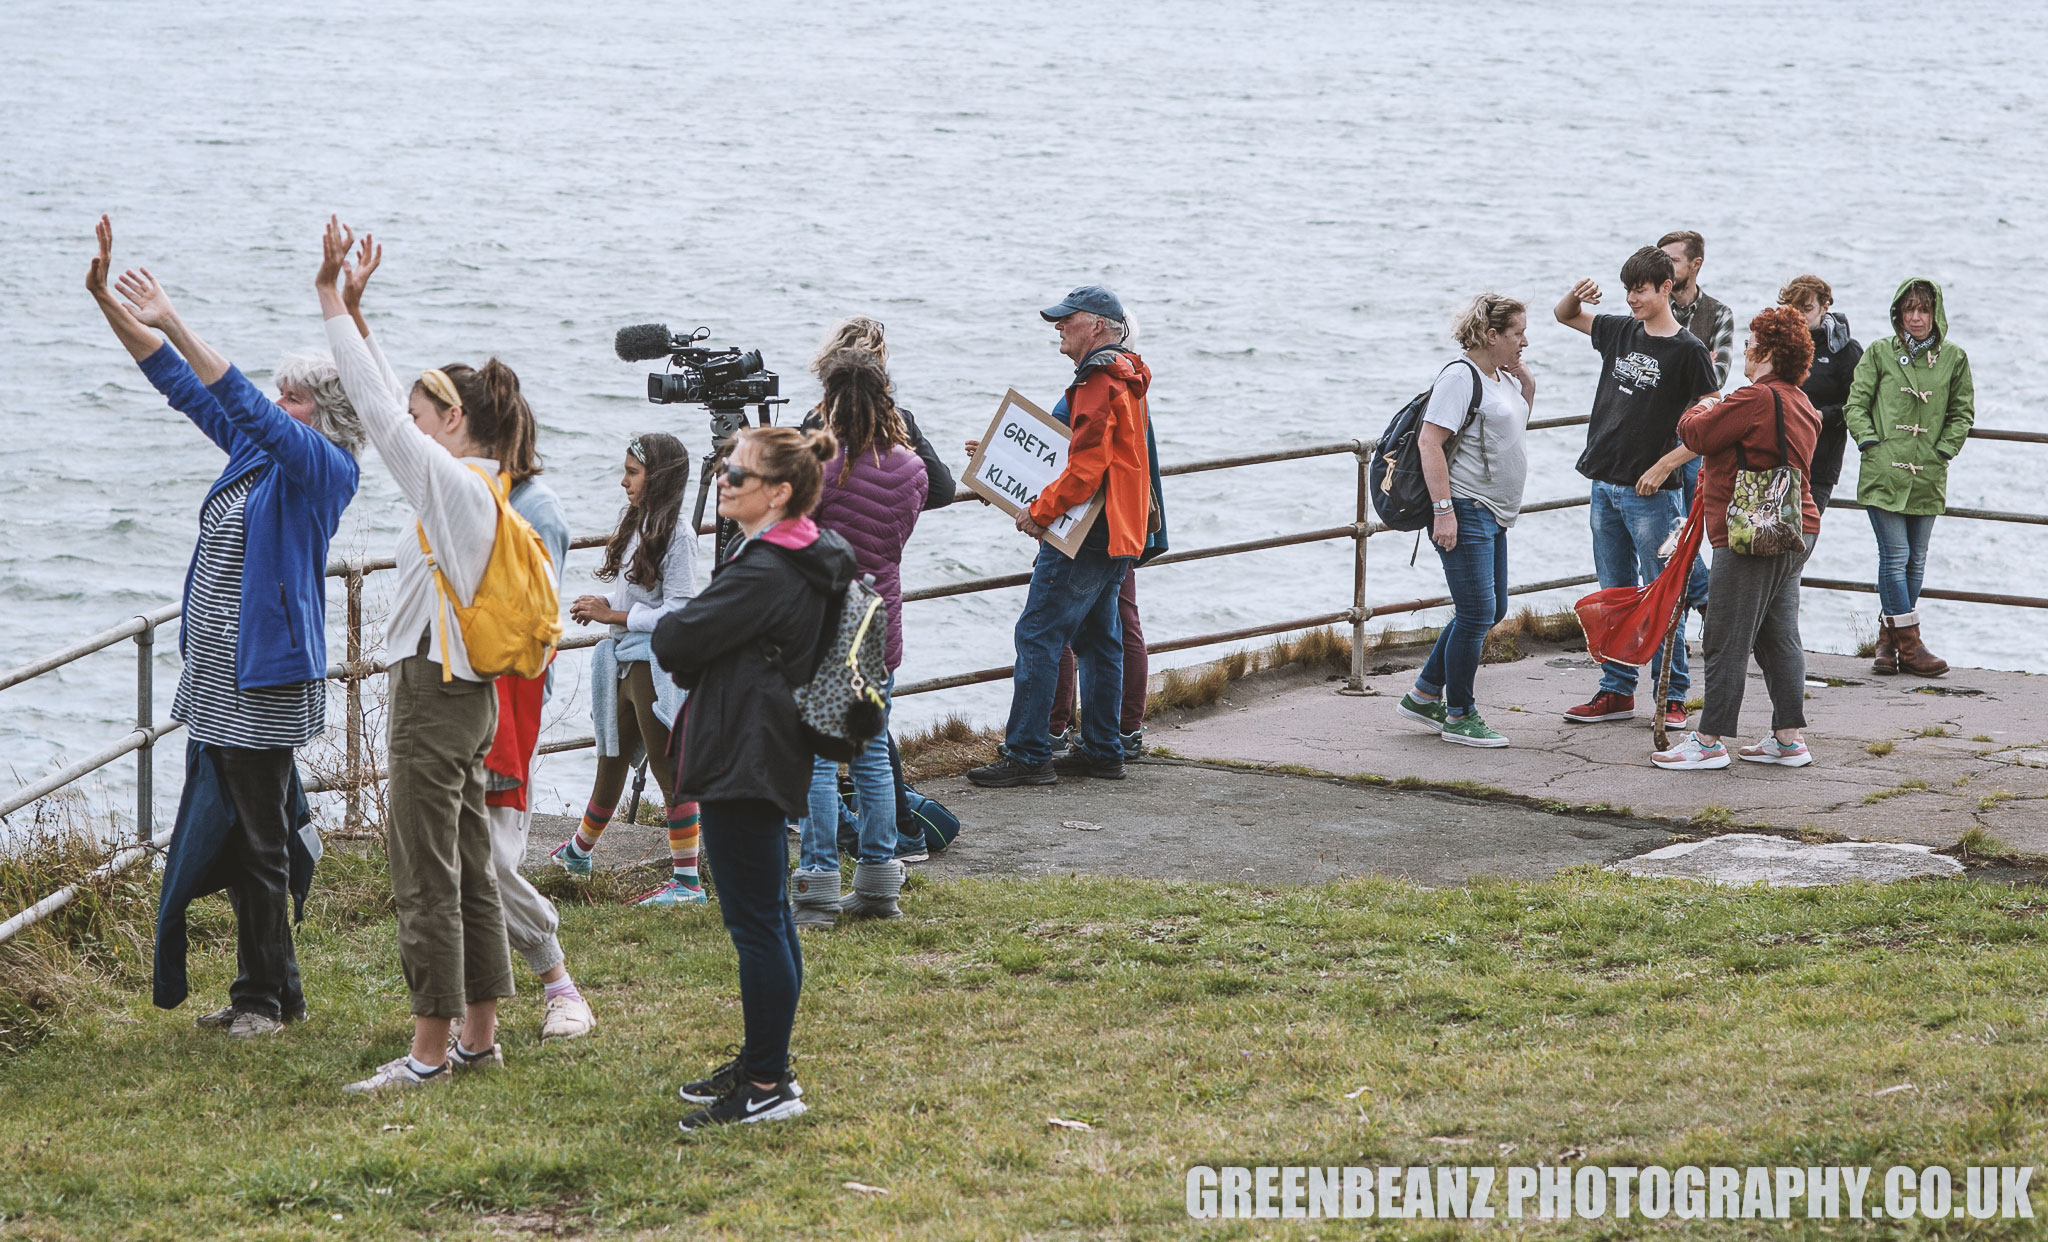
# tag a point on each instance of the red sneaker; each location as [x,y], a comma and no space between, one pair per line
[1606,705]
[1675,714]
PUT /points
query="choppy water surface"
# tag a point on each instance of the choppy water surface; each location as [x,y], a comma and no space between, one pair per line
[1292,199]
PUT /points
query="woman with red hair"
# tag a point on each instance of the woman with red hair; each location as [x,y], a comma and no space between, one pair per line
[1753,593]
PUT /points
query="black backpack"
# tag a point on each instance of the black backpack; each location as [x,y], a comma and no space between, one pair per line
[1399,495]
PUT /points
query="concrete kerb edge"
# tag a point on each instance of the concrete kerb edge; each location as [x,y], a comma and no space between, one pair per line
[1681,830]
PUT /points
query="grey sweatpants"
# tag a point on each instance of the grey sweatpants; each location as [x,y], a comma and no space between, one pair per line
[530,919]
[1753,606]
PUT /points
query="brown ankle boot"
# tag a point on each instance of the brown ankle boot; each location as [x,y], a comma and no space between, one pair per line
[1914,656]
[1887,653]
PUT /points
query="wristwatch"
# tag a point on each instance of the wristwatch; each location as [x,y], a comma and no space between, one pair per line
[1441,506]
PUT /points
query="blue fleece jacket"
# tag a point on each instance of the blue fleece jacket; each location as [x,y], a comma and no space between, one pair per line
[303,482]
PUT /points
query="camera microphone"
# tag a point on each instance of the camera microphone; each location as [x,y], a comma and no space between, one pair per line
[642,341]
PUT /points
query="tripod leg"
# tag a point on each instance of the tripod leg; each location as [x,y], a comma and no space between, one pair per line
[633,802]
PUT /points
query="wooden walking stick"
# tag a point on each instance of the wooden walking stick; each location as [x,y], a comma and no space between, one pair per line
[1659,733]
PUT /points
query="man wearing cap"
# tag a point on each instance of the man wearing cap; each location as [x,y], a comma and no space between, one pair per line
[1073,601]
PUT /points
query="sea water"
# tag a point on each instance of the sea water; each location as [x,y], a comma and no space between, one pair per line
[1293,200]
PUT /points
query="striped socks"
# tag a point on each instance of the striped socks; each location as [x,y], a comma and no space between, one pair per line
[595,818]
[682,844]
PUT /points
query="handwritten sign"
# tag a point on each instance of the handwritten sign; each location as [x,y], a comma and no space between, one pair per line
[1022,452]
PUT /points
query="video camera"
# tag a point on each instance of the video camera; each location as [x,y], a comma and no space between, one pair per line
[718,377]
[723,380]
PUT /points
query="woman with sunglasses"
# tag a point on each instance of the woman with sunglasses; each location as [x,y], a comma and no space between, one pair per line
[652,555]
[740,647]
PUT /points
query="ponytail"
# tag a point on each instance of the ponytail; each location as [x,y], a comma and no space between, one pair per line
[794,457]
[499,420]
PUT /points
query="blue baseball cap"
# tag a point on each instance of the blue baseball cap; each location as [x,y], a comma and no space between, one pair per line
[1094,299]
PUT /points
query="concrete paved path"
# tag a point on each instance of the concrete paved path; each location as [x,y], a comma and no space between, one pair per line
[1181,821]
[1966,750]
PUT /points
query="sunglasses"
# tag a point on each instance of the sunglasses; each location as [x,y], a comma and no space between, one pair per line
[736,476]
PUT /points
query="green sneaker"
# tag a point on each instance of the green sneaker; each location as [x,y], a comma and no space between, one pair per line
[1470,730]
[1429,712]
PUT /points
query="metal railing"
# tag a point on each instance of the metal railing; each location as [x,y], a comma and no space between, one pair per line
[357,774]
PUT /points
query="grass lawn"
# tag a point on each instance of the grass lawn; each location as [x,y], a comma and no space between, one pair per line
[1585,1019]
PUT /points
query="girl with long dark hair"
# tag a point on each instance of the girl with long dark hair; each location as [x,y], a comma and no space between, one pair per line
[652,555]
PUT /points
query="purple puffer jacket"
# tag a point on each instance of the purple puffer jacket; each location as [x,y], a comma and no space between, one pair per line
[875,510]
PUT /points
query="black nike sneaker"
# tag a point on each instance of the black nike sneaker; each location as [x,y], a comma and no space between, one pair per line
[745,1104]
[706,1090]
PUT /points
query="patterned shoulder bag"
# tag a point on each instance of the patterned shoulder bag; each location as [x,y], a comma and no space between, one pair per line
[1764,514]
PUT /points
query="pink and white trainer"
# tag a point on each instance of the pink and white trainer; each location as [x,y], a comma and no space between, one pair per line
[1771,750]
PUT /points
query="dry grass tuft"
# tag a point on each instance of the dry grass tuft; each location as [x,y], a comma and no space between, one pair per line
[1557,625]
[89,939]
[946,748]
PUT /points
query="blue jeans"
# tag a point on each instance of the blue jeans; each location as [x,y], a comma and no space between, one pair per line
[1477,573]
[1901,558]
[1696,586]
[875,781]
[1073,603]
[1627,531]
[744,842]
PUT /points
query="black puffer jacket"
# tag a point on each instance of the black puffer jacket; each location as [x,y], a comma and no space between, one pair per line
[1835,354]
[740,737]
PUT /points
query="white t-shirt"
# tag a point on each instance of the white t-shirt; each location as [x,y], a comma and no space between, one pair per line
[1488,462]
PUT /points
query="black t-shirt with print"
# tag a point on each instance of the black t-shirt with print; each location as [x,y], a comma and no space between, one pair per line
[1646,382]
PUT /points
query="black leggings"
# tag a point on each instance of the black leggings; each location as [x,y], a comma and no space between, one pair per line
[747,845]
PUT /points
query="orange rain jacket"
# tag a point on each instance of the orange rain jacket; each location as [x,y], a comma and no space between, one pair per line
[1107,405]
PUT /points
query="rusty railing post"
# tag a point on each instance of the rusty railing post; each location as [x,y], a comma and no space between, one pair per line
[1360,614]
[145,719]
[352,815]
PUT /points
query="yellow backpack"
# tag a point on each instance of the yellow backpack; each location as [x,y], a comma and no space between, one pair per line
[514,620]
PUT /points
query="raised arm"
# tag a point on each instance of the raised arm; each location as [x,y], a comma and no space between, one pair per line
[1571,308]
[152,305]
[135,335]
[451,499]
[161,364]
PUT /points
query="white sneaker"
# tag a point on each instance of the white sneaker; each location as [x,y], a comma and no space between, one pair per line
[1771,750]
[1691,755]
[248,1024]
[565,1017]
[396,1075]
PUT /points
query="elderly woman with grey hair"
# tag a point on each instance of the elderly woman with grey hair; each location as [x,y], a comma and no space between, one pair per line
[254,635]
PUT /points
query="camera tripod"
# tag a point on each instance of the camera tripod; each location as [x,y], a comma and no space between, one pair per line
[726,422]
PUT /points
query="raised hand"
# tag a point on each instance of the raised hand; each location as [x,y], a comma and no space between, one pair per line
[355,277]
[147,300]
[334,244]
[96,272]
[1587,291]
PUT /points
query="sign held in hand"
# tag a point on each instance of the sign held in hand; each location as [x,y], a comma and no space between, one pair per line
[1023,451]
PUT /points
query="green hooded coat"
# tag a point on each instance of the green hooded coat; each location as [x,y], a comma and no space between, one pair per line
[1909,419]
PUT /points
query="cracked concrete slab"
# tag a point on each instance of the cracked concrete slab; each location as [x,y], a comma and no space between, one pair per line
[1896,758]
[1748,858]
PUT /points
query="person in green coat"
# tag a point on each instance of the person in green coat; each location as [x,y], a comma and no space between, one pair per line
[1910,407]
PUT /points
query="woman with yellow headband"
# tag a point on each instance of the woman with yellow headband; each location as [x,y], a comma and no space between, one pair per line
[441,441]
